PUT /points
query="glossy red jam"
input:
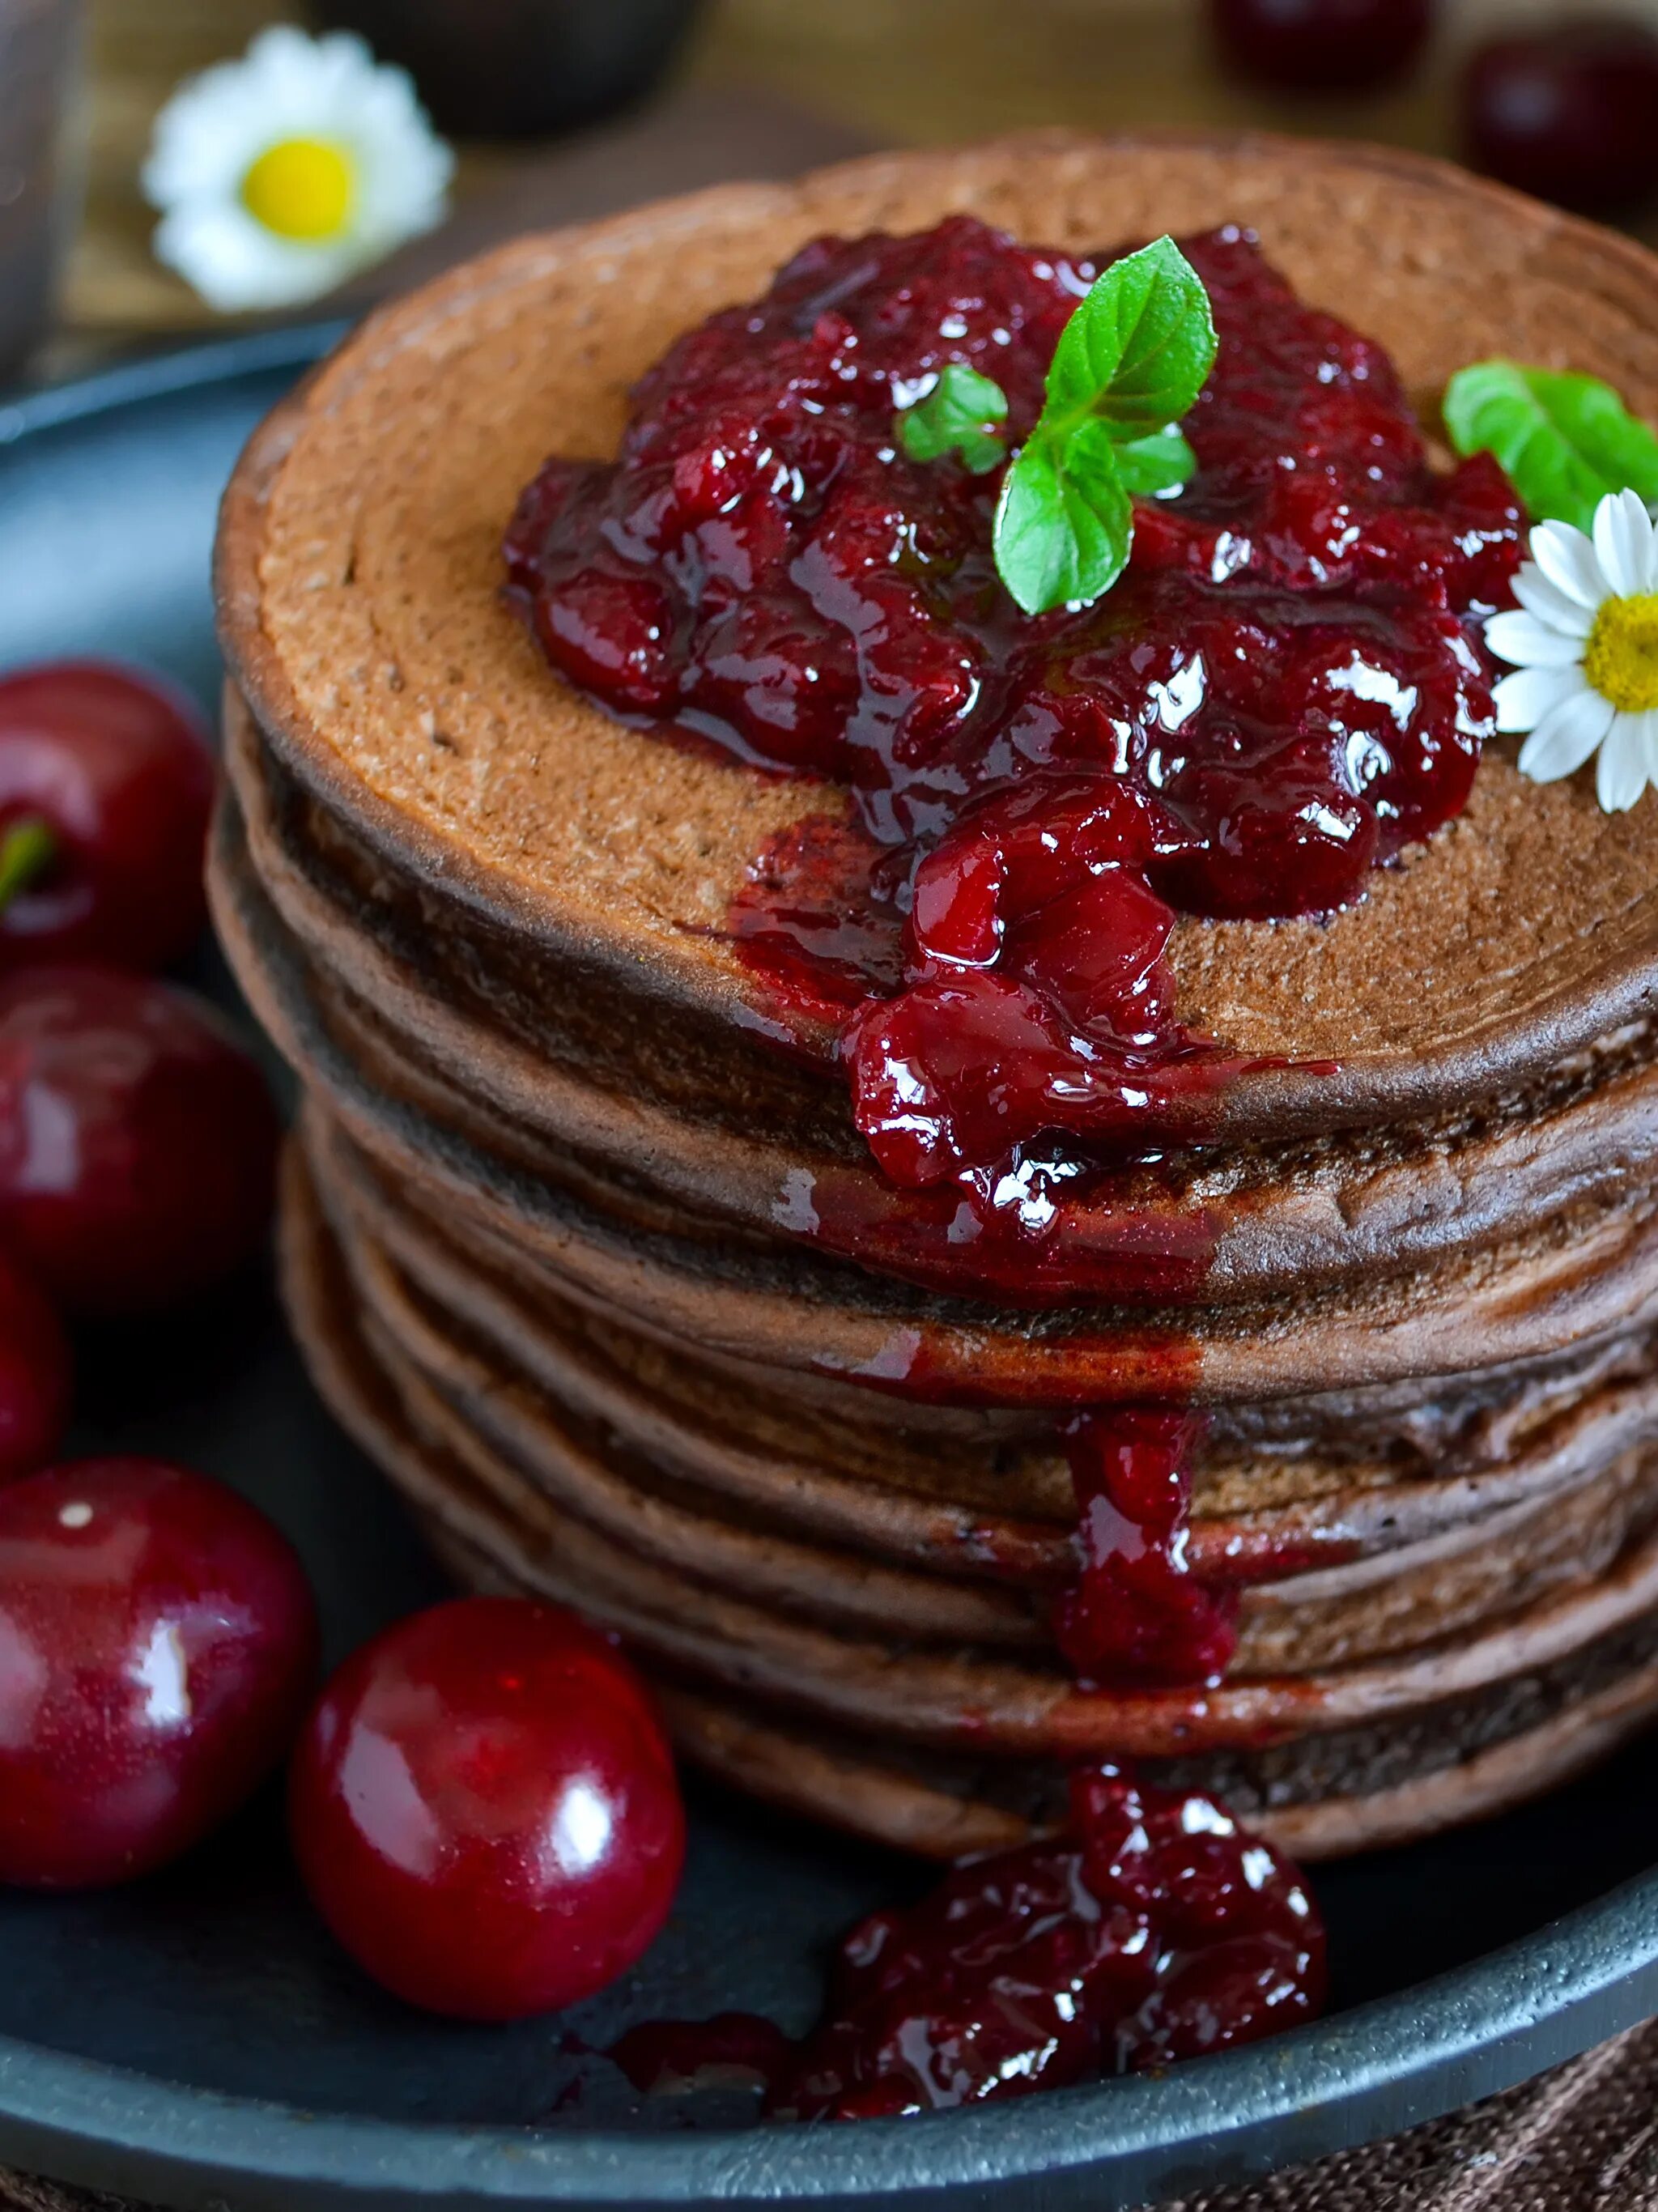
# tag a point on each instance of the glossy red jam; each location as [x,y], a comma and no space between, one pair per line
[1283,691]
[1157,1930]
[1136,1614]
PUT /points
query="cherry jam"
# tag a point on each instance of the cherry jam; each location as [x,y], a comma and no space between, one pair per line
[1156,1929]
[1136,1614]
[1284,690]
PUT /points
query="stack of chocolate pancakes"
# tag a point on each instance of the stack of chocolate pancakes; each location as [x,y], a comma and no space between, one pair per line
[607,1279]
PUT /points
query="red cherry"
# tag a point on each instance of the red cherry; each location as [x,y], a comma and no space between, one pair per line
[106,784]
[1335,45]
[1570,113]
[35,1373]
[1289,837]
[485,1809]
[137,1141]
[157,1642]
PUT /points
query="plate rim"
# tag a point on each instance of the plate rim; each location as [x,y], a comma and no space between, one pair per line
[1472,2031]
[1394,2061]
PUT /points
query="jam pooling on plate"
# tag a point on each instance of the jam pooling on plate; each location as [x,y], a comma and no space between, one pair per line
[1155,1930]
[1284,689]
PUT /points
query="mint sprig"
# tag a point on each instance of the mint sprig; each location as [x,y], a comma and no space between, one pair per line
[1160,461]
[1129,364]
[957,417]
[1565,441]
[1064,523]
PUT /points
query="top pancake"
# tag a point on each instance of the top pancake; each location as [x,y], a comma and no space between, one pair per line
[360,581]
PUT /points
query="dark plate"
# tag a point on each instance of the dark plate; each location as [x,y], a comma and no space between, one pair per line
[197,2040]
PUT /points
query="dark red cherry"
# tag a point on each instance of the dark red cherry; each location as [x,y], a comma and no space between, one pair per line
[1097,950]
[35,1373]
[1346,45]
[1569,113]
[157,1644]
[1281,836]
[106,784]
[138,1140]
[485,1812]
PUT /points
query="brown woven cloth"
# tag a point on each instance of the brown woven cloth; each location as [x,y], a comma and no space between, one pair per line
[1583,2138]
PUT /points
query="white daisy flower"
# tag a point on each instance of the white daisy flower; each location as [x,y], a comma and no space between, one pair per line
[280,175]
[1584,641]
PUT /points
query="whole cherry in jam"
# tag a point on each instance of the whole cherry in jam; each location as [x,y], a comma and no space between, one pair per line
[1155,1929]
[485,1812]
[1336,45]
[106,784]
[34,1373]
[137,1139]
[157,1645]
[1569,112]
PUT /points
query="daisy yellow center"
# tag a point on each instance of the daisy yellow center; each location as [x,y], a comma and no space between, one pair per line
[1621,658]
[301,188]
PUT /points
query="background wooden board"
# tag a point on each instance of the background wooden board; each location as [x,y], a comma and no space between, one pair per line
[766,86]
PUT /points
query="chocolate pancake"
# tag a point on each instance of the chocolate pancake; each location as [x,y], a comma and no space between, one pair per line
[1373,1780]
[611,1285]
[1584,1279]
[1413,1592]
[1250,1220]
[954,1692]
[361,610]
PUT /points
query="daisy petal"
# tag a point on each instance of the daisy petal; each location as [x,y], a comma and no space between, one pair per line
[1649,734]
[1566,737]
[289,86]
[1623,543]
[1549,603]
[1620,774]
[1520,637]
[1525,698]
[1567,559]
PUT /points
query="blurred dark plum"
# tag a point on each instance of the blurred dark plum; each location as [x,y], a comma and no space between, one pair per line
[520,69]
[1569,113]
[1322,46]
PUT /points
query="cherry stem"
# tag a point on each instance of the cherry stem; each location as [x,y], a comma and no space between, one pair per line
[26,851]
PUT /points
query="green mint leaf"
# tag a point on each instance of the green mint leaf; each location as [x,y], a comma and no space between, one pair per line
[1138,350]
[1161,461]
[1565,441]
[1128,365]
[1064,524]
[955,417]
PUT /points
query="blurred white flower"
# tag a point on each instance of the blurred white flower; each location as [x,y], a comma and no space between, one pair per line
[280,175]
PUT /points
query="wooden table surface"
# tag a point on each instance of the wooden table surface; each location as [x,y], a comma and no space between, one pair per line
[874,71]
